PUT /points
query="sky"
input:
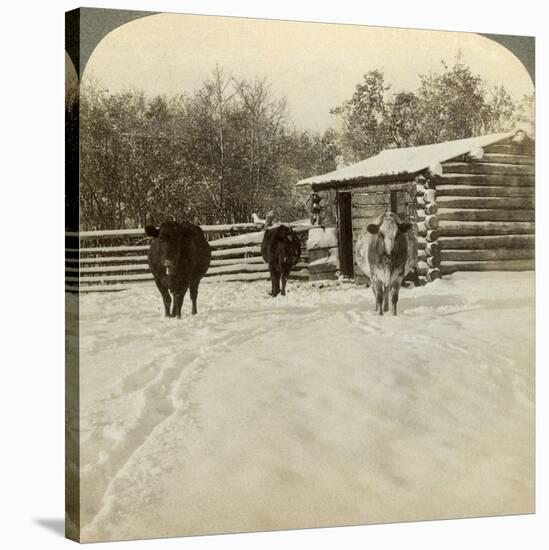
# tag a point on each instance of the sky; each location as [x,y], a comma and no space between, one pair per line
[314,65]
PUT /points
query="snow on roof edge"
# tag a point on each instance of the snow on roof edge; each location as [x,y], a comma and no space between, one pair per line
[406,160]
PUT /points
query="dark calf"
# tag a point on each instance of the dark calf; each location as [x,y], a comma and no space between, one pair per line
[281,249]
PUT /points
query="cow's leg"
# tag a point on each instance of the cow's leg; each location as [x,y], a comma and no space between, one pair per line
[283,280]
[385,298]
[395,288]
[379,293]
[375,295]
[194,295]
[178,301]
[166,298]
[275,285]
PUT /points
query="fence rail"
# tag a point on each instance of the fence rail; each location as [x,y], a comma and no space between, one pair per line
[116,259]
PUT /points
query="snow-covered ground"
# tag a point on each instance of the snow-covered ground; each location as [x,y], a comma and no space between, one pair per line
[307,410]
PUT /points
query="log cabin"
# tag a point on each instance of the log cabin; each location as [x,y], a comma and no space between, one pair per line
[473,202]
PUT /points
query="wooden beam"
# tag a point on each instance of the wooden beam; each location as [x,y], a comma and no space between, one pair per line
[246,268]
[236,252]
[99,288]
[430,260]
[111,259]
[487,242]
[427,222]
[508,158]
[248,277]
[245,239]
[487,202]
[487,168]
[112,249]
[118,278]
[232,261]
[137,232]
[485,215]
[108,269]
[431,208]
[488,254]
[485,191]
[499,180]
[462,229]
[447,268]
[429,235]
[510,149]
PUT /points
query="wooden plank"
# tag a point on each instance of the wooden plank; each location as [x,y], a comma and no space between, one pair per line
[485,191]
[109,268]
[231,261]
[510,149]
[452,228]
[140,231]
[508,158]
[99,288]
[245,239]
[111,249]
[107,233]
[485,215]
[499,265]
[371,199]
[487,242]
[237,252]
[358,186]
[237,268]
[509,180]
[110,259]
[249,277]
[101,278]
[486,202]
[245,268]
[487,168]
[488,254]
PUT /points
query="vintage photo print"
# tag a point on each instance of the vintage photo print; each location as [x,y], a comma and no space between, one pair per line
[299,275]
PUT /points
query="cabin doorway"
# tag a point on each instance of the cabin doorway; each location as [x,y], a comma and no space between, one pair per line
[345,223]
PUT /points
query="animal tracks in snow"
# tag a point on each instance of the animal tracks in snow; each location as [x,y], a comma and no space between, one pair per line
[153,408]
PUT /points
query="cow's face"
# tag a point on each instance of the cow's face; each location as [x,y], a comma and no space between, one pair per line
[169,244]
[390,231]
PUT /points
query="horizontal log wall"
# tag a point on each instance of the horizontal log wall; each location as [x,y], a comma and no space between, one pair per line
[486,211]
[116,267]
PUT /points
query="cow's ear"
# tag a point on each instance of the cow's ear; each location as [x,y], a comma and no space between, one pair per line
[372,228]
[152,231]
[404,227]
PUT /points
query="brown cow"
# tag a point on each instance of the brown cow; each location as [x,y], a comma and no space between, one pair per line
[387,251]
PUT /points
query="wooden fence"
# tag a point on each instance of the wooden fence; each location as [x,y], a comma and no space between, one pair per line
[113,260]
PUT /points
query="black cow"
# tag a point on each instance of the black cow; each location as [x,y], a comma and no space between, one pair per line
[387,252]
[281,249]
[179,257]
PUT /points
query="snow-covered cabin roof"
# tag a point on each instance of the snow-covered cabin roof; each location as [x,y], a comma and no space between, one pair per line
[407,160]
